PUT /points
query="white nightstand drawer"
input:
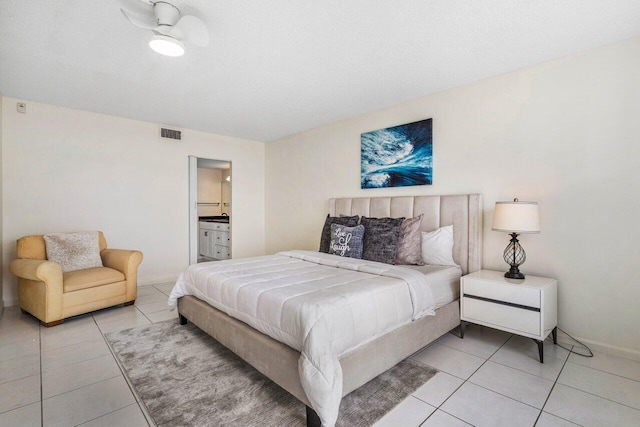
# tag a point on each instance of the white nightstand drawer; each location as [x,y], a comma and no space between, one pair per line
[501,316]
[513,294]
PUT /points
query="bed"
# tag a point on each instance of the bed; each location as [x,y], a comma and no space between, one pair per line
[294,367]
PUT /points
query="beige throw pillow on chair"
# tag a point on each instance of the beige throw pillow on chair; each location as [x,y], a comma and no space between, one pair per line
[74,251]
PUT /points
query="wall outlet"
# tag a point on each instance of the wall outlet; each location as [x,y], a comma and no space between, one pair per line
[21,107]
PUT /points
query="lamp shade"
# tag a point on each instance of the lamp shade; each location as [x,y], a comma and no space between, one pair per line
[516,217]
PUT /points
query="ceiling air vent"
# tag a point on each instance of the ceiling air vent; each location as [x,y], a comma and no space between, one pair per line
[170,133]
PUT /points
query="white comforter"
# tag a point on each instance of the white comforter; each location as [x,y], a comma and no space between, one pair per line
[321,305]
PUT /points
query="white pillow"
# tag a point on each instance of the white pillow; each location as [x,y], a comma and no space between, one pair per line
[437,246]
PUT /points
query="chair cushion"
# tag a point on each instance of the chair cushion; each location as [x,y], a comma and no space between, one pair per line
[89,278]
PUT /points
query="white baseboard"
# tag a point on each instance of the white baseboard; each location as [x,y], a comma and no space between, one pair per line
[10,302]
[157,280]
[623,352]
[600,347]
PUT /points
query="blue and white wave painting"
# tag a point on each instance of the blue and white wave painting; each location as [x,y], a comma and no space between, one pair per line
[398,156]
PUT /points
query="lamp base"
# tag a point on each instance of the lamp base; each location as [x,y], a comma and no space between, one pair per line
[514,273]
[514,255]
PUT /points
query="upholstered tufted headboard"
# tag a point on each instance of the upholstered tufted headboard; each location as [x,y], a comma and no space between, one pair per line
[463,211]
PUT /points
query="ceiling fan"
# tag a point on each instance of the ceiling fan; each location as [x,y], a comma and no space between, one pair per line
[170,27]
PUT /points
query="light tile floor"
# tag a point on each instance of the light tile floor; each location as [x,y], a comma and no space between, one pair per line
[492,378]
[67,376]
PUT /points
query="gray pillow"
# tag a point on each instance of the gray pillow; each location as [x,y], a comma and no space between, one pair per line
[410,242]
[325,238]
[381,239]
[346,241]
[74,251]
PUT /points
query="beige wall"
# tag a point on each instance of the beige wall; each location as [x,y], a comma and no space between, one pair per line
[563,133]
[67,170]
[209,191]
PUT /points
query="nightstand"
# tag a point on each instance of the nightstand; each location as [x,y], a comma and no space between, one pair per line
[526,307]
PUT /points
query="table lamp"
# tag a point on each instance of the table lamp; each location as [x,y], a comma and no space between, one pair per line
[516,218]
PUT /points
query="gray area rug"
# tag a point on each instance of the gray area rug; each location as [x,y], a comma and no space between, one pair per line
[186,378]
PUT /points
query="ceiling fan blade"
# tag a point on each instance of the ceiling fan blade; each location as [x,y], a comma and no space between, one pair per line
[191,29]
[148,24]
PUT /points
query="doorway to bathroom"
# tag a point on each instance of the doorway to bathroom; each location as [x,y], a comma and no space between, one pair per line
[210,208]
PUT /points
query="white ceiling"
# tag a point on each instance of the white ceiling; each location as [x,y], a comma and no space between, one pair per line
[274,68]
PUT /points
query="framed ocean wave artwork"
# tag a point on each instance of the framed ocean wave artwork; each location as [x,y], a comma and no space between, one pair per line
[398,156]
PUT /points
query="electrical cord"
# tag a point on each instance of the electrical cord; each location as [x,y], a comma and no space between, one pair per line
[575,352]
[560,345]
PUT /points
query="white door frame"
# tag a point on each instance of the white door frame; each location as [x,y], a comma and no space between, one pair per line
[193,210]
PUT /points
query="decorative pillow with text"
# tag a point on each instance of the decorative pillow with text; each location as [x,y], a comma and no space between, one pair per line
[346,241]
[325,238]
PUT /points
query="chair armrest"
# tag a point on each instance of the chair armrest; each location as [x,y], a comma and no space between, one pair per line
[36,269]
[123,260]
[40,287]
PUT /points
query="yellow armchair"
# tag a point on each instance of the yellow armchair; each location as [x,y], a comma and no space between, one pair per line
[51,295]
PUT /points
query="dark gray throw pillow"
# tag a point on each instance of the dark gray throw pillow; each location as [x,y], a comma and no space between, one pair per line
[381,239]
[325,238]
[346,241]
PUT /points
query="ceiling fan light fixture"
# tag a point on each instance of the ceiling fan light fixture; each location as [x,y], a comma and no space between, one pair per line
[166,45]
